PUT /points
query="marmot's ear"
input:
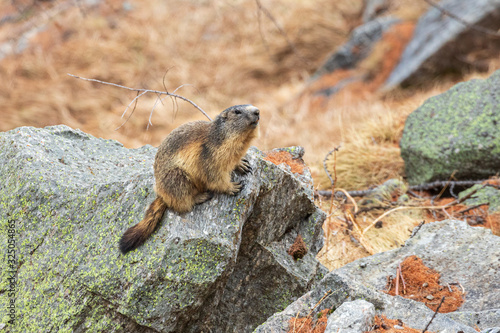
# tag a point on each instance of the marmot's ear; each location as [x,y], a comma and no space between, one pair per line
[223,115]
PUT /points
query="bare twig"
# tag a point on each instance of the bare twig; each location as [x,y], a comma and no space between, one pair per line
[434,315]
[417,228]
[422,187]
[325,296]
[463,211]
[462,21]
[397,280]
[332,181]
[141,92]
[440,184]
[402,279]
[351,199]
[421,207]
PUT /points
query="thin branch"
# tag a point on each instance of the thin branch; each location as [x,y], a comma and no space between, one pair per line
[144,91]
[421,187]
[325,296]
[421,207]
[334,150]
[397,280]
[462,21]
[402,279]
[356,209]
[434,315]
[417,228]
[128,106]
[152,110]
[463,211]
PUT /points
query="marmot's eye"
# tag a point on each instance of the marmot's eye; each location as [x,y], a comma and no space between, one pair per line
[237,111]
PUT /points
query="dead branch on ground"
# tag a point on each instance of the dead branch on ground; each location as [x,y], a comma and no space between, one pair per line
[421,187]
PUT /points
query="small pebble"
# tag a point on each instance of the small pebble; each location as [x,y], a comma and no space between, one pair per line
[425,284]
[399,327]
[429,297]
[362,265]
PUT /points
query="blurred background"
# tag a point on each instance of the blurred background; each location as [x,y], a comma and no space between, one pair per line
[274,54]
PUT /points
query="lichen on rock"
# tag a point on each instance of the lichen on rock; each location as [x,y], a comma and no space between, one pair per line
[456,133]
[71,196]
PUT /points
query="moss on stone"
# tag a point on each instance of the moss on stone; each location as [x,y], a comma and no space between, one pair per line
[457,132]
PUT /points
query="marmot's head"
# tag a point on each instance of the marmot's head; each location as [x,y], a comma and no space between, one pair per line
[240,118]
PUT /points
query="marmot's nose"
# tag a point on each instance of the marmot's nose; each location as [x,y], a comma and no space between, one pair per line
[254,110]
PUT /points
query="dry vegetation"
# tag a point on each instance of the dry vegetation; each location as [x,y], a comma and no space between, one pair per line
[222,53]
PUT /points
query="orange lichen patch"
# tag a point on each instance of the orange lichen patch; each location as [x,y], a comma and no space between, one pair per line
[308,325]
[421,284]
[382,324]
[278,157]
[368,76]
[476,216]
[298,249]
[387,53]
[493,223]
[495,181]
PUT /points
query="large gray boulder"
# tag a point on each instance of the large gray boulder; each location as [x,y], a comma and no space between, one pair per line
[441,43]
[68,197]
[457,132]
[460,253]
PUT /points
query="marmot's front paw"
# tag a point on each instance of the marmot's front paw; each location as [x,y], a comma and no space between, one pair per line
[244,167]
[237,187]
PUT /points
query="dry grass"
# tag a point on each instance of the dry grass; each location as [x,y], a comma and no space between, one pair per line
[230,53]
[370,155]
[342,244]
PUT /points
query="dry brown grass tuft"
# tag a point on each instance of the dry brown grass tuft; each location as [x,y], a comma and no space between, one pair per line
[342,244]
[370,154]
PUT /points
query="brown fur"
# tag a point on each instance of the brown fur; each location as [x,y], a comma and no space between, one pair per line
[194,161]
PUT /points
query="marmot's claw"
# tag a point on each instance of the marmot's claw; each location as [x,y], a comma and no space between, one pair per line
[244,167]
[237,187]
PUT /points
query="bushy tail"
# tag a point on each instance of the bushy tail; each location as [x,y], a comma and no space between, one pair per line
[137,235]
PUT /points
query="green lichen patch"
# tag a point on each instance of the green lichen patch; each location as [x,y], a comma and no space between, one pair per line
[457,132]
[71,196]
[484,195]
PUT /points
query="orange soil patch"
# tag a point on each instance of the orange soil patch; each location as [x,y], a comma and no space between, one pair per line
[373,71]
[298,249]
[385,325]
[421,284]
[278,157]
[381,324]
[308,325]
[476,216]
[389,50]
[493,222]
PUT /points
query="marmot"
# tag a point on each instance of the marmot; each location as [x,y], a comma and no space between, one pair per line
[194,161]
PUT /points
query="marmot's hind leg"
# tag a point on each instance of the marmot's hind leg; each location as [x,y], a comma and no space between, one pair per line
[177,190]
